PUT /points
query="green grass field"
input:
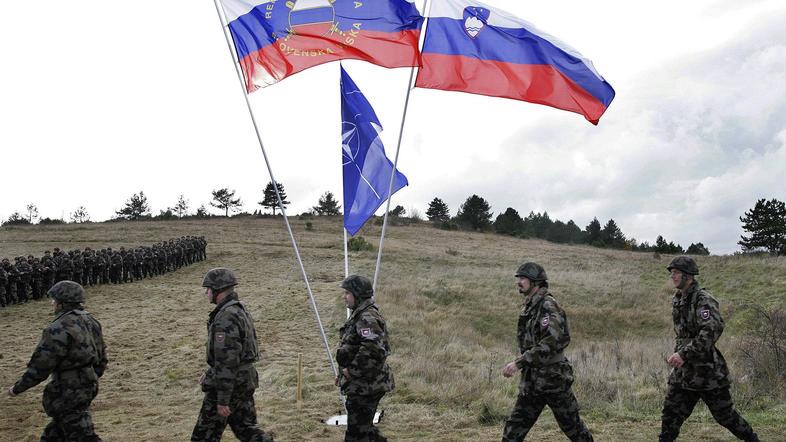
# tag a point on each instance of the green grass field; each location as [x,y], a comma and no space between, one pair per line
[451,305]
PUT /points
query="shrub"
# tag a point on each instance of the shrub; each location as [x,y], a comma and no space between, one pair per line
[359,244]
[763,349]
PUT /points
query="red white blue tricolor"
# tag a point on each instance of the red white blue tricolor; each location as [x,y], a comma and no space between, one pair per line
[277,38]
[471,47]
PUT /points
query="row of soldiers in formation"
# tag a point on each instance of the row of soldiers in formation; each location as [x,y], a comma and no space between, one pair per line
[30,278]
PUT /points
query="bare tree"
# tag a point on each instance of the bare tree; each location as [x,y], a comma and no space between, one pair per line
[32,213]
[80,215]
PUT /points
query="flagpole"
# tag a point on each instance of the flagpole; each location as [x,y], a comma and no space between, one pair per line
[346,263]
[224,27]
[393,173]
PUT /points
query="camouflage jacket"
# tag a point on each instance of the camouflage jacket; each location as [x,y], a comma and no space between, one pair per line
[3,277]
[698,325]
[71,350]
[363,352]
[543,335]
[231,350]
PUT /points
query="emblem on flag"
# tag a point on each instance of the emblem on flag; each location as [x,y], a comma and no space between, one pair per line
[545,321]
[475,20]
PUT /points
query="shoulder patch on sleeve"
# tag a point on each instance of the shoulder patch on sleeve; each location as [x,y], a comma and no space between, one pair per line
[704,312]
[545,321]
[220,337]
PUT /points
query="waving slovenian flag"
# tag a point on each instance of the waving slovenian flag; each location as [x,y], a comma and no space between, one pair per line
[366,168]
[276,38]
[471,47]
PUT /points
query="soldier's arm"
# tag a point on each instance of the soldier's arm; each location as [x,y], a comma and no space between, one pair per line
[710,328]
[49,352]
[371,352]
[226,353]
[549,345]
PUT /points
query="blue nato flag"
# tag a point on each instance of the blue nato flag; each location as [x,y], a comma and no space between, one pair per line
[366,168]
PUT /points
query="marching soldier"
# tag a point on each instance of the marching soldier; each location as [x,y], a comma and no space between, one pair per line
[364,376]
[699,369]
[546,374]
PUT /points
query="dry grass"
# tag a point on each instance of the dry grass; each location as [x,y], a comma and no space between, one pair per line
[451,306]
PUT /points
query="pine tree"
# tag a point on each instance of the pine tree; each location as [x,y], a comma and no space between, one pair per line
[475,213]
[438,211]
[136,207]
[225,199]
[766,225]
[327,205]
[509,223]
[270,200]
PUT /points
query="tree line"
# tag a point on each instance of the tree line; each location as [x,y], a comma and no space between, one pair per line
[765,223]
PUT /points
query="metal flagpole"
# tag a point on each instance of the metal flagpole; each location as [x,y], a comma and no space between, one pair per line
[224,27]
[346,263]
[393,173]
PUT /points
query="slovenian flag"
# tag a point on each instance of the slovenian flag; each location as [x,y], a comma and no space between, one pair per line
[470,47]
[367,170]
[274,39]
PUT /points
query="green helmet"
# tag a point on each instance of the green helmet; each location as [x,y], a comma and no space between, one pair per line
[67,292]
[532,271]
[219,279]
[359,286]
[684,264]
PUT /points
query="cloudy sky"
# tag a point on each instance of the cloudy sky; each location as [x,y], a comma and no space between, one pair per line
[100,100]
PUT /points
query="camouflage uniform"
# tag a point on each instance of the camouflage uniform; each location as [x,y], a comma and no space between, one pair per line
[12,277]
[78,266]
[231,377]
[363,351]
[38,279]
[49,271]
[546,374]
[115,267]
[71,350]
[704,375]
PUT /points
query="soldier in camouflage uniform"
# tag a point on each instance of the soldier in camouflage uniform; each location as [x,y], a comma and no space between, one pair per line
[364,375]
[546,374]
[78,266]
[231,377]
[700,371]
[13,276]
[49,271]
[25,282]
[72,351]
[38,279]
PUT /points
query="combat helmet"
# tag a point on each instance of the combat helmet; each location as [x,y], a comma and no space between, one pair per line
[684,264]
[532,271]
[219,279]
[359,286]
[67,292]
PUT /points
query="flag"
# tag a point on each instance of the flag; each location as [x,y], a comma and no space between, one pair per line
[366,168]
[274,39]
[470,47]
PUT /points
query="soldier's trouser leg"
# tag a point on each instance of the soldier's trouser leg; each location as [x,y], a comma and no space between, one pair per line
[677,406]
[243,420]
[71,426]
[360,418]
[525,413]
[566,411]
[722,408]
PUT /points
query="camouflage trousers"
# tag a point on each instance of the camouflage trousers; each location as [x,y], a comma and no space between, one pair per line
[243,420]
[360,419]
[529,406]
[679,404]
[69,410]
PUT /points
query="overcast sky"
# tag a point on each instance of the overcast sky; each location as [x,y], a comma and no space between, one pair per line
[100,100]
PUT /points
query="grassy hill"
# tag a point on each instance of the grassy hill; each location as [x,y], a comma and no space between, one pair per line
[451,305]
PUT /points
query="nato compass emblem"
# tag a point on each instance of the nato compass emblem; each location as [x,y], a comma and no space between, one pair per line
[475,19]
[351,149]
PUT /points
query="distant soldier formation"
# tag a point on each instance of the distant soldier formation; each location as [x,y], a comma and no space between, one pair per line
[30,278]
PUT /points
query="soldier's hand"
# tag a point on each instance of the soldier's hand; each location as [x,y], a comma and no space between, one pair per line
[223,410]
[510,369]
[202,379]
[11,391]
[346,374]
[675,360]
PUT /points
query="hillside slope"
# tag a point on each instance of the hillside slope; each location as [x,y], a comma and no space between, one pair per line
[451,305]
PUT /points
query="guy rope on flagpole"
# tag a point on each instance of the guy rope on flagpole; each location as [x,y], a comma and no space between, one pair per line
[224,26]
[395,163]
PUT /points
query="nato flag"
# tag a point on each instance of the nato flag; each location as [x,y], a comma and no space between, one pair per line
[366,168]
